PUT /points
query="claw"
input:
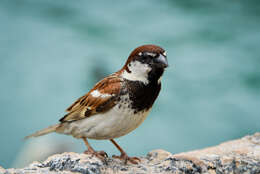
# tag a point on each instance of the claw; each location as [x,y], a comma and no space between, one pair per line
[103,153]
[100,154]
[125,158]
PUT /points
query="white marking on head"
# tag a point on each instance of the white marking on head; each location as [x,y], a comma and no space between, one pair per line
[151,54]
[138,72]
[96,93]
[164,53]
[140,54]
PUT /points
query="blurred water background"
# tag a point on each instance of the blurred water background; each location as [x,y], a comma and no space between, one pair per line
[52,52]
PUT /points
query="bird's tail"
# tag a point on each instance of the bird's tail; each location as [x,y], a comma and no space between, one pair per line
[43,131]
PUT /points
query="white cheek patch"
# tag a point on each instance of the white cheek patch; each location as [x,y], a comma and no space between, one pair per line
[96,93]
[138,72]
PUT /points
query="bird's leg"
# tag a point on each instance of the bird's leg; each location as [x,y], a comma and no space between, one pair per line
[100,154]
[124,157]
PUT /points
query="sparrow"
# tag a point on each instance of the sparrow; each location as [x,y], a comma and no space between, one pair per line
[117,104]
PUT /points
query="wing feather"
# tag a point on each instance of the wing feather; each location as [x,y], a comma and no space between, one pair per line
[109,89]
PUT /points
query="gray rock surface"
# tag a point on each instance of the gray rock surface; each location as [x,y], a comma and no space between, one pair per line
[237,156]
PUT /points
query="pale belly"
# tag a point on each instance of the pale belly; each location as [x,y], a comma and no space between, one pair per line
[117,122]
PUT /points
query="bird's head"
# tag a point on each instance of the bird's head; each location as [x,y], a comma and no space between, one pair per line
[145,64]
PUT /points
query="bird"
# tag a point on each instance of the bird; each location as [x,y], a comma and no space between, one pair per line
[117,104]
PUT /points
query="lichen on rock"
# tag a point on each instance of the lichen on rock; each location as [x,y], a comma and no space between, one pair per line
[237,156]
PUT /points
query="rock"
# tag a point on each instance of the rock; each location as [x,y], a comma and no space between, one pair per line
[2,170]
[156,156]
[237,156]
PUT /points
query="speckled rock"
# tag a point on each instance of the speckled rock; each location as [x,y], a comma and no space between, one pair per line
[237,157]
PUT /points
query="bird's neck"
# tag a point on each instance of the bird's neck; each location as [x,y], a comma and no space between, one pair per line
[142,95]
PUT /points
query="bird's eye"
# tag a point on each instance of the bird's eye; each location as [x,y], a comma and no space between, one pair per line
[143,60]
[147,57]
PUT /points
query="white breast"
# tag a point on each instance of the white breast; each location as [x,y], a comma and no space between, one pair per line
[117,122]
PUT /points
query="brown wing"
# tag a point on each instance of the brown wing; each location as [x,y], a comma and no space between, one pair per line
[88,105]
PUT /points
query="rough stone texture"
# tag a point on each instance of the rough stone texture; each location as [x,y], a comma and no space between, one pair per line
[238,156]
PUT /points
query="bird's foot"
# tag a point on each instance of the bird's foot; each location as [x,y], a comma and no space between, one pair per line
[102,155]
[124,157]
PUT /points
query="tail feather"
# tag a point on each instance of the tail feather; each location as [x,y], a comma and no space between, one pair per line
[43,131]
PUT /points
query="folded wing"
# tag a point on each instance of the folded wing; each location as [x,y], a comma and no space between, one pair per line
[100,99]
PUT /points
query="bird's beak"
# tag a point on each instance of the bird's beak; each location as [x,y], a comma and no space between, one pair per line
[162,60]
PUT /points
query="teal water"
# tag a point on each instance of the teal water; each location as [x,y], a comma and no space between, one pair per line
[52,52]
